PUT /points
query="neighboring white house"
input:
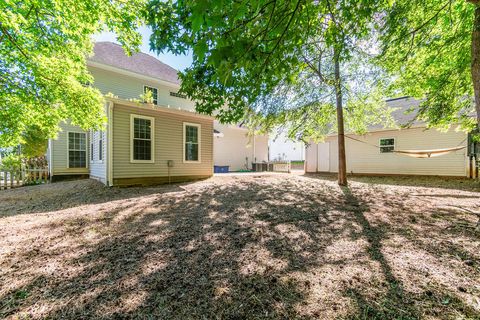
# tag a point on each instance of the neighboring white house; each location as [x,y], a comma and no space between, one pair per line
[282,148]
[146,143]
[364,157]
[233,147]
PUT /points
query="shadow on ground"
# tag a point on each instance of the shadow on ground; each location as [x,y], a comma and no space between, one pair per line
[451,183]
[233,248]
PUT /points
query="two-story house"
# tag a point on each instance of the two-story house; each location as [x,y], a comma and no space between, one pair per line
[148,143]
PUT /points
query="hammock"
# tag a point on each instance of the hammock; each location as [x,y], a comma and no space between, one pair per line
[419,153]
[427,153]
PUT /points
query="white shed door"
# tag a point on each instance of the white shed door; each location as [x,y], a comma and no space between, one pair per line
[323,157]
[311,157]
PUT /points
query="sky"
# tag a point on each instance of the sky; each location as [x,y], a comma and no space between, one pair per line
[177,62]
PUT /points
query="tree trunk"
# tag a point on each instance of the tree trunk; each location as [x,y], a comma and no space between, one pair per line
[342,162]
[475,68]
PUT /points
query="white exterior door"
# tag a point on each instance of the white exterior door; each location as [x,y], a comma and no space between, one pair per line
[323,157]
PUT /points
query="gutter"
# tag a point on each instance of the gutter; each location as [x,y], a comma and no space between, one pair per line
[159,108]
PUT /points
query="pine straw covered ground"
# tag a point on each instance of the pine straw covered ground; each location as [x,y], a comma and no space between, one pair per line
[242,247]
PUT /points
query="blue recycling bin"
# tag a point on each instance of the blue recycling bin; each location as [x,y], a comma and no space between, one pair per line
[220,169]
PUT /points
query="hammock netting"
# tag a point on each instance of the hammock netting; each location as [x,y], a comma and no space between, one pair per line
[427,153]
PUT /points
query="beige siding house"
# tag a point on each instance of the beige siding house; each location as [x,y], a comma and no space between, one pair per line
[373,153]
[143,143]
[146,143]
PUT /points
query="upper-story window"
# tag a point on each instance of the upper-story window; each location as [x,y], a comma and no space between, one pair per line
[77,150]
[387,145]
[178,95]
[154,92]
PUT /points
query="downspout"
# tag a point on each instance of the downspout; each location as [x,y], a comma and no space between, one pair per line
[254,156]
[50,159]
[110,144]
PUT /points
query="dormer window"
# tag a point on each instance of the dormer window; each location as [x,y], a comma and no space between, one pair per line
[154,92]
[178,95]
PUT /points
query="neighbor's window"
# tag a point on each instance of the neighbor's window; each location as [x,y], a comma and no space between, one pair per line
[387,145]
[191,140]
[178,95]
[142,138]
[154,92]
[77,150]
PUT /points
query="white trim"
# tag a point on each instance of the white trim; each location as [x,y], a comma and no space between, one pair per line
[100,138]
[159,108]
[86,150]
[152,138]
[199,127]
[389,145]
[50,157]
[109,166]
[150,87]
[132,74]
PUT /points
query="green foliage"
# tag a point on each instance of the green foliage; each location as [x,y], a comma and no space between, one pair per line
[253,59]
[306,109]
[147,97]
[11,162]
[427,45]
[35,142]
[43,51]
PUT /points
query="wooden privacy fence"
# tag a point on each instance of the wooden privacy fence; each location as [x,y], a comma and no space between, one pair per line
[17,178]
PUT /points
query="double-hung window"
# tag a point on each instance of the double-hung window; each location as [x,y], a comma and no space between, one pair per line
[141,138]
[154,93]
[387,145]
[191,142]
[77,150]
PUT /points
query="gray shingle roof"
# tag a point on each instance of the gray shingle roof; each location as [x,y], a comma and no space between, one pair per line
[112,54]
[404,111]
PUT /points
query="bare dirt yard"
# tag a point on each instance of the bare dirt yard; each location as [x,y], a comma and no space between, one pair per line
[242,247]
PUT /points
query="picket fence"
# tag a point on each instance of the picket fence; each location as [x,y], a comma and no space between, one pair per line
[16,178]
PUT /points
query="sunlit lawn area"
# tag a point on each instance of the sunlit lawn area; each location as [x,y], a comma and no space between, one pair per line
[242,247]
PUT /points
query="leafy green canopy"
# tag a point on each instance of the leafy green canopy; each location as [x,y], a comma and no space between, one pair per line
[246,50]
[43,50]
[427,46]
[306,110]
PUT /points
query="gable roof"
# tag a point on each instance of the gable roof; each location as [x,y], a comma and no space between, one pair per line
[404,111]
[112,54]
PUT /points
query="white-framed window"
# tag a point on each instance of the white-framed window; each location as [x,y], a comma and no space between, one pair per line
[191,142]
[142,139]
[387,145]
[154,92]
[77,150]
